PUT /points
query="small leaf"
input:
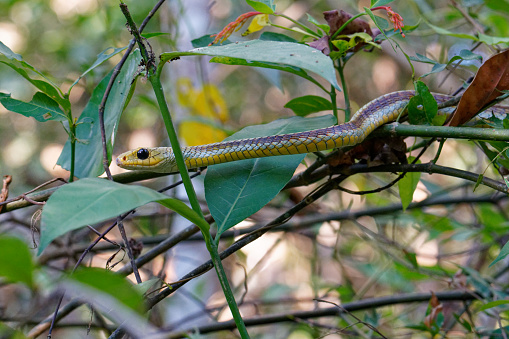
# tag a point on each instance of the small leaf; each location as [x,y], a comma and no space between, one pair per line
[503,253]
[16,264]
[422,108]
[375,3]
[236,190]
[92,200]
[42,108]
[307,104]
[492,304]
[263,6]
[102,57]
[257,24]
[407,186]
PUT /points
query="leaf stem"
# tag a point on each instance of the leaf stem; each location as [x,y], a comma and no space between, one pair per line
[303,27]
[348,108]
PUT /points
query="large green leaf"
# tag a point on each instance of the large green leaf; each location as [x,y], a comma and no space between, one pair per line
[236,190]
[270,52]
[89,154]
[112,295]
[16,264]
[42,108]
[92,200]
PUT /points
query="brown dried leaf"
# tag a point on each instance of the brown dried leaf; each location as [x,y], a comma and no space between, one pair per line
[436,308]
[335,19]
[491,78]
[4,193]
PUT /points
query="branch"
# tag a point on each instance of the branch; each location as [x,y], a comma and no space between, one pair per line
[331,311]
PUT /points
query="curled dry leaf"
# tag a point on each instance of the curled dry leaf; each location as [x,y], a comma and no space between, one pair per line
[436,308]
[4,193]
[491,78]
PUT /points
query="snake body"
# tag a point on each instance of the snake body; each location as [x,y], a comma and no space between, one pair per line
[374,114]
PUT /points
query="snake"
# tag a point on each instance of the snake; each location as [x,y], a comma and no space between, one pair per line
[382,110]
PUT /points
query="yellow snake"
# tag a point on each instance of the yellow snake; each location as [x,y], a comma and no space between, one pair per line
[374,114]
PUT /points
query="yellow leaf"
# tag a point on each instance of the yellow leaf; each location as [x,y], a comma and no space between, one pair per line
[198,133]
[185,92]
[210,103]
[258,22]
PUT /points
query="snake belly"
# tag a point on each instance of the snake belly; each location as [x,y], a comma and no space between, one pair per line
[374,114]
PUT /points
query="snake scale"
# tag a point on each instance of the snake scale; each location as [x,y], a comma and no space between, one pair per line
[374,114]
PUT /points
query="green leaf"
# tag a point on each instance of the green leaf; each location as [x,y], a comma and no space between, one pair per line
[443,31]
[422,108]
[44,86]
[375,3]
[102,57]
[154,34]
[270,52]
[112,295]
[16,264]
[42,108]
[503,253]
[9,53]
[89,154]
[307,104]
[493,40]
[92,200]
[492,304]
[323,27]
[272,36]
[242,62]
[110,283]
[263,6]
[498,5]
[407,186]
[236,190]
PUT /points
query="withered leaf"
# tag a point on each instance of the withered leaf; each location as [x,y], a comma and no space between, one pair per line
[491,78]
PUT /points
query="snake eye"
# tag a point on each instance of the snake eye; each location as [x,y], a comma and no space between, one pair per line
[142,153]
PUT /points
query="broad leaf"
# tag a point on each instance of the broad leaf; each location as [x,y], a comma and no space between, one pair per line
[271,52]
[42,108]
[307,104]
[112,295]
[92,200]
[236,190]
[89,154]
[16,264]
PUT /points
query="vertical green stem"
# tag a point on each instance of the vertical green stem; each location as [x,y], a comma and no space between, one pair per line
[211,246]
[179,158]
[72,136]
[348,109]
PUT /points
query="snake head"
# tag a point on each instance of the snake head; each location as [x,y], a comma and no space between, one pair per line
[154,159]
